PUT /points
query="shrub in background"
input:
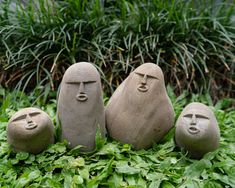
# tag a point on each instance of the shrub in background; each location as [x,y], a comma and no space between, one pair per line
[193,43]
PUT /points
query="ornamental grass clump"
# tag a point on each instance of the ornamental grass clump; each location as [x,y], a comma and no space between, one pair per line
[192,42]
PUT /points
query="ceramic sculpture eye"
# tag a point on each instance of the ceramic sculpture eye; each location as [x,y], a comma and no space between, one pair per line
[78,82]
[22,117]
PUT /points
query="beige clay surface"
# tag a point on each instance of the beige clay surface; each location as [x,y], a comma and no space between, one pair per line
[140,112]
[30,130]
[197,130]
[80,106]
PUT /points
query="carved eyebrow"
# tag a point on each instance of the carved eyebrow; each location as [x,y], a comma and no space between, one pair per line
[149,76]
[19,118]
[201,116]
[34,113]
[24,116]
[197,116]
[78,82]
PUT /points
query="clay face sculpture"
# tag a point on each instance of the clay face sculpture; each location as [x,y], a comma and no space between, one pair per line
[80,106]
[197,130]
[30,130]
[140,112]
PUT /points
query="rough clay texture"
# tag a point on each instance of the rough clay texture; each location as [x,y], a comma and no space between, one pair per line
[30,130]
[197,130]
[140,112]
[80,106]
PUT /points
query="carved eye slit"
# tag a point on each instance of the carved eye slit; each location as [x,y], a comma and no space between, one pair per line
[24,116]
[153,77]
[198,116]
[72,82]
[78,82]
[34,113]
[140,74]
[148,76]
[19,118]
[188,116]
[201,116]
[89,82]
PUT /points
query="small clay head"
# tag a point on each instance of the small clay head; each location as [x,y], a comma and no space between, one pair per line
[197,130]
[147,77]
[145,83]
[30,130]
[81,82]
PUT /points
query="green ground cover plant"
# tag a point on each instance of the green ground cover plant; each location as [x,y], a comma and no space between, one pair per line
[192,41]
[114,164]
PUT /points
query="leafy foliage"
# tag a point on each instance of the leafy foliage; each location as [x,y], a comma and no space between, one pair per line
[192,42]
[117,165]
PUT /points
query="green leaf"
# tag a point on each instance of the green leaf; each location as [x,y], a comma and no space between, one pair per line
[212,184]
[196,169]
[77,180]
[14,161]
[155,184]
[34,175]
[30,159]
[63,162]
[123,168]
[109,149]
[22,155]
[78,162]
[192,183]
[27,177]
[166,184]
[116,180]
[67,180]
[53,183]
[130,179]
[84,173]
[100,139]
[75,151]
[57,148]
[220,177]
[94,182]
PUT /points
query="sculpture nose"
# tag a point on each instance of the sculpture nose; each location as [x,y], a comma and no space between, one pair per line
[29,119]
[81,88]
[144,80]
[194,120]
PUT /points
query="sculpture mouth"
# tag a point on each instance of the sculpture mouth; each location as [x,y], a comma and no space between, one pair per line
[31,126]
[143,88]
[81,97]
[193,130]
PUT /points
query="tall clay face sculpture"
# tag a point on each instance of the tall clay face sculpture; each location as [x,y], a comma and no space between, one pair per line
[140,112]
[197,130]
[30,130]
[80,106]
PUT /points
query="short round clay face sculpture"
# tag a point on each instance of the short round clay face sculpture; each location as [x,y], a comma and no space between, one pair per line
[30,130]
[197,130]
[80,106]
[140,112]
